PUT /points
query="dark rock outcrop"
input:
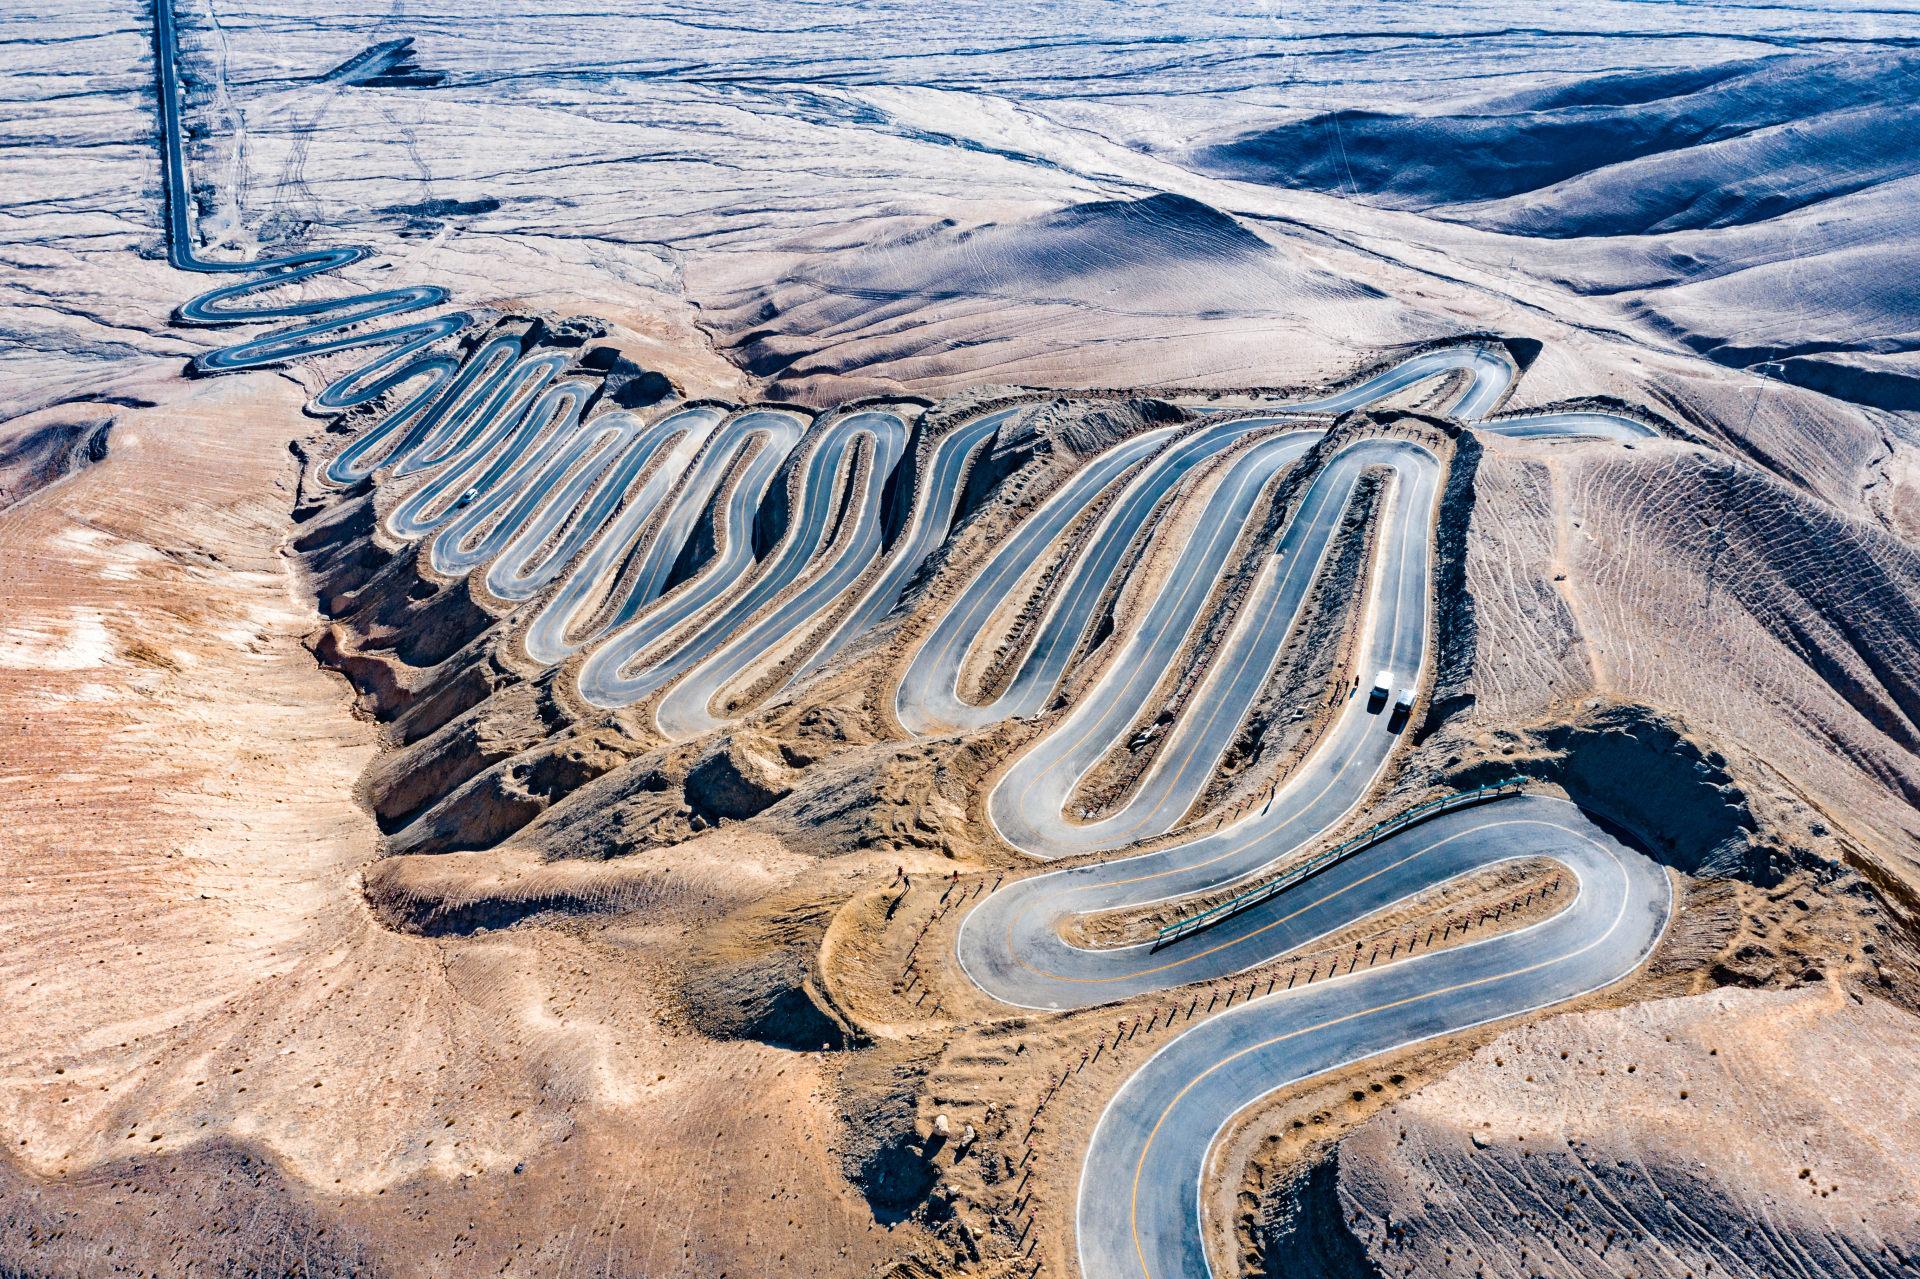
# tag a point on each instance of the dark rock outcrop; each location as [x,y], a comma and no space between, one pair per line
[741,776]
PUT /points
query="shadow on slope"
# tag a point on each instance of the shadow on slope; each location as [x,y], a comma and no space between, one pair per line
[1632,154]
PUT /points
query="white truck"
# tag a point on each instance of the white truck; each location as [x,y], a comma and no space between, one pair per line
[1382,689]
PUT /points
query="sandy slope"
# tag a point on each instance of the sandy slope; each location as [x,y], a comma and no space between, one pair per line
[1734,1133]
[193,980]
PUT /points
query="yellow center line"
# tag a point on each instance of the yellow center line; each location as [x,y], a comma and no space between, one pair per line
[1133,1219]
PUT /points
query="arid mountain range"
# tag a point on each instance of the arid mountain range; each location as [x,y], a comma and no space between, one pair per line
[929,641]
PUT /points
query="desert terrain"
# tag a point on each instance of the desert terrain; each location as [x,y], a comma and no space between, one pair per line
[886,640]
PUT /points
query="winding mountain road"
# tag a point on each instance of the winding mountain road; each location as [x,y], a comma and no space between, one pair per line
[644,535]
[1027,807]
[1139,1210]
[1142,1182]
[717,654]
[319,326]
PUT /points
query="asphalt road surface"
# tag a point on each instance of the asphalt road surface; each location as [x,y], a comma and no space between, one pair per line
[929,521]
[1143,1177]
[1028,804]
[317,325]
[685,433]
[837,549]
[604,679]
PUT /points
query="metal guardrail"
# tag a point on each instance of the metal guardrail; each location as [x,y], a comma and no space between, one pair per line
[1366,839]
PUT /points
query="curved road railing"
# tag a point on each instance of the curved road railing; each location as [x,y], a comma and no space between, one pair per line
[1331,857]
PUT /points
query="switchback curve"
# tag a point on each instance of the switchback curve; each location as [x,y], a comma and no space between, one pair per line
[321,325]
[1154,1137]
